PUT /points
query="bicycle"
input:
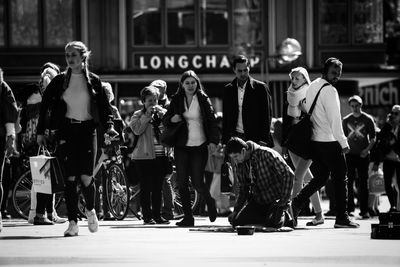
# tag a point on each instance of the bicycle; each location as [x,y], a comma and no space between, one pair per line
[116,186]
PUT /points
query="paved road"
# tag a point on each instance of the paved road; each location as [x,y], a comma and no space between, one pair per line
[130,243]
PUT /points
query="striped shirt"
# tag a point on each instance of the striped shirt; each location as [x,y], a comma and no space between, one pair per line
[268,173]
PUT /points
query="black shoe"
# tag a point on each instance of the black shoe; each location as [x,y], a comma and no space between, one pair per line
[168,216]
[345,223]
[212,210]
[161,220]
[186,222]
[41,221]
[149,221]
[5,215]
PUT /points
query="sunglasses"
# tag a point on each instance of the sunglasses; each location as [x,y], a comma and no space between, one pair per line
[394,113]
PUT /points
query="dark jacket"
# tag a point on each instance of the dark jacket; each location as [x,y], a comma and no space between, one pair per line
[177,106]
[256,112]
[8,107]
[54,108]
[386,141]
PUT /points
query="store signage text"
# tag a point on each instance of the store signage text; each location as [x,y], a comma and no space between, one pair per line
[191,61]
[381,94]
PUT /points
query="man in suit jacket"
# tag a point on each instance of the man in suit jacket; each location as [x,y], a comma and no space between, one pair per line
[247,107]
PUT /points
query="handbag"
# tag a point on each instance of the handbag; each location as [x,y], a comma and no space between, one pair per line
[169,137]
[376,183]
[47,175]
[299,137]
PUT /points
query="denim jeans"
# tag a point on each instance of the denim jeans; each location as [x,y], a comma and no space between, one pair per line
[359,164]
[328,160]
[191,162]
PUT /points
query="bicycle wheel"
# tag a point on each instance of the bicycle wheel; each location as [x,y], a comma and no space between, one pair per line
[21,195]
[117,191]
[194,196]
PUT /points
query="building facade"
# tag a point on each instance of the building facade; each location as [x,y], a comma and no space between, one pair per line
[136,41]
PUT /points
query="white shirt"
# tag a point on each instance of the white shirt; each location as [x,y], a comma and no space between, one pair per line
[77,98]
[192,115]
[326,116]
[241,91]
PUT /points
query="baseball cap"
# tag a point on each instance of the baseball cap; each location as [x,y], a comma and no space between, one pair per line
[159,83]
[355,98]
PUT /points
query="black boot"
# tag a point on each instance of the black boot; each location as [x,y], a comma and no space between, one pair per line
[186,222]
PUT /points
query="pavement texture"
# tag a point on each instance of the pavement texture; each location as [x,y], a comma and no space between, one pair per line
[130,243]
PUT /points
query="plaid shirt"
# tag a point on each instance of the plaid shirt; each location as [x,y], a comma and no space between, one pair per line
[270,175]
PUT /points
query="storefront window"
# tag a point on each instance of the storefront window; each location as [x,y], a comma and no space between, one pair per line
[334,22]
[351,22]
[247,22]
[181,22]
[213,13]
[147,22]
[24,22]
[368,21]
[58,22]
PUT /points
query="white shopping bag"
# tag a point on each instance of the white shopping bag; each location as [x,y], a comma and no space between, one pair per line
[41,173]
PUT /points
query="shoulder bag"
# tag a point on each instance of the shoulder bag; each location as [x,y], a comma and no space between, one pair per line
[299,137]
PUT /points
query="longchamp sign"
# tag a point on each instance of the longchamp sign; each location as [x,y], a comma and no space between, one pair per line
[187,61]
[383,94]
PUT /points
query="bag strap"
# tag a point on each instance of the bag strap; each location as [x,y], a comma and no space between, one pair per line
[315,99]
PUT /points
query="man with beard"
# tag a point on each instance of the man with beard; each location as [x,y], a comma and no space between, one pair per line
[328,144]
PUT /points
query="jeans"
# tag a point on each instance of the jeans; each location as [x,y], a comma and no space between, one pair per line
[328,160]
[151,174]
[360,165]
[255,213]
[191,162]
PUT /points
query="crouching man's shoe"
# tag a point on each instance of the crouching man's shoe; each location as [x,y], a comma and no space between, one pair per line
[72,229]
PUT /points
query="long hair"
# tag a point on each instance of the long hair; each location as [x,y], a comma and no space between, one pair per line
[185,75]
[85,53]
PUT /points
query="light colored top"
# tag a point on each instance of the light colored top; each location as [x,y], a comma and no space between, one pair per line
[192,115]
[241,91]
[326,118]
[77,98]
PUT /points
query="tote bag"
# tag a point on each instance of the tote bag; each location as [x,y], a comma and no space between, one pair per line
[47,176]
[299,138]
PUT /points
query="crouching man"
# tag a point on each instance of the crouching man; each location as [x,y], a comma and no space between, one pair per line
[265,185]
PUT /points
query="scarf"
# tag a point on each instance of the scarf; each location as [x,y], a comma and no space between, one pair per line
[294,97]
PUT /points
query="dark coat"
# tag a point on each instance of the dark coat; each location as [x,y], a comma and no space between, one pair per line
[8,108]
[256,112]
[177,106]
[385,142]
[54,108]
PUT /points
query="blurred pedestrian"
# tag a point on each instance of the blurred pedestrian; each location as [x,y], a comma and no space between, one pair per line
[167,210]
[359,127]
[31,98]
[191,104]
[77,103]
[388,152]
[328,143]
[8,117]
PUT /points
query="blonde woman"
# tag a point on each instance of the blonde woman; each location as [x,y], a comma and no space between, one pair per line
[295,97]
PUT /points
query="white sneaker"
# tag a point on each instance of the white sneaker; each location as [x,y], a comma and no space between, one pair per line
[31,216]
[72,230]
[93,222]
